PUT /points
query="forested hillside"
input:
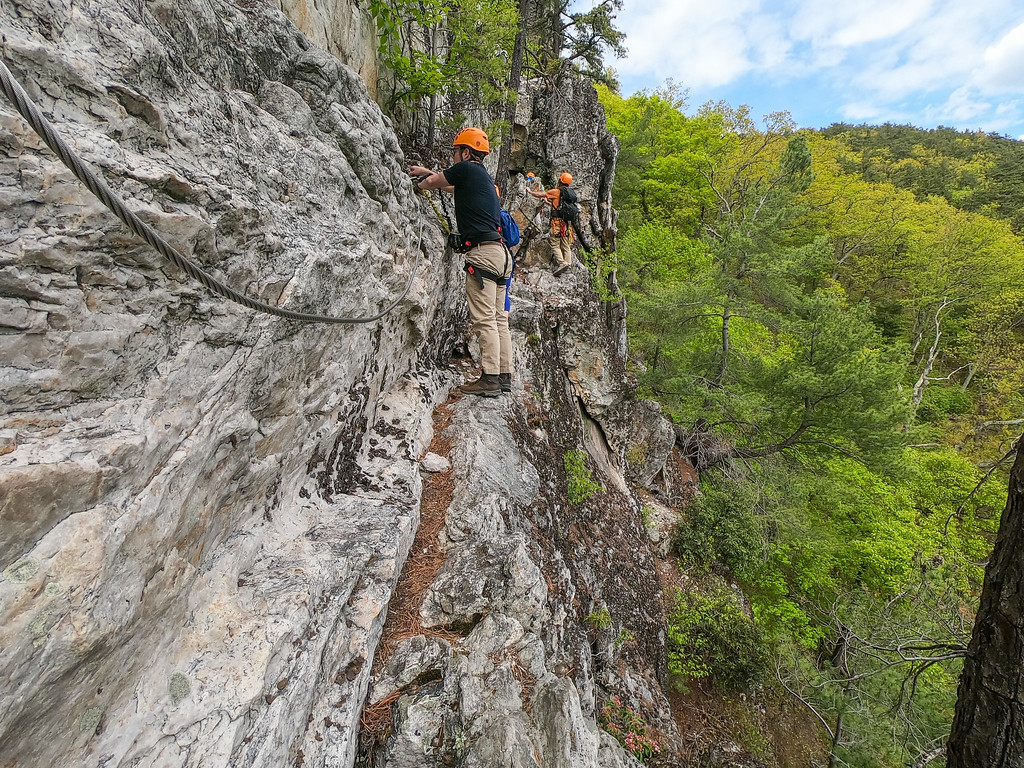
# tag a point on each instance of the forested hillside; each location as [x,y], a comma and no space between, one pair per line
[835,320]
[976,172]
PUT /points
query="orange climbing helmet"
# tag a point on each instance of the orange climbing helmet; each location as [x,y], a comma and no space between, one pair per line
[474,138]
[566,178]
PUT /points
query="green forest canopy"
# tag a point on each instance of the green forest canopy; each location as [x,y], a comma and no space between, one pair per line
[836,320]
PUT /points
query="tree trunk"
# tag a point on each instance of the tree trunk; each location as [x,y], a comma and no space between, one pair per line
[837,733]
[933,353]
[432,118]
[515,73]
[988,728]
[725,348]
[969,377]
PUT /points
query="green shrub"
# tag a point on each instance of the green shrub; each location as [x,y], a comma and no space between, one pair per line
[581,484]
[710,636]
[720,525]
[635,455]
[599,619]
[939,403]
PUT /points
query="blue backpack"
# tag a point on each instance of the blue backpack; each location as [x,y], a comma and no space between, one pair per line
[509,229]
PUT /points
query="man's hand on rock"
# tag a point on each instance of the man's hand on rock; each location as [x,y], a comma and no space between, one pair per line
[418,174]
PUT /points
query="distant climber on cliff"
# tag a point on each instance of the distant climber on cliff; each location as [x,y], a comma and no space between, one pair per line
[565,214]
[488,261]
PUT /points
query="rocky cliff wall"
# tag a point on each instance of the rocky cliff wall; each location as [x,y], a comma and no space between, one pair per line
[545,604]
[202,509]
[343,29]
[205,512]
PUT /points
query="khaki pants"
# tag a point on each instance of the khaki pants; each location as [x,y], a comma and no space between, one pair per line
[561,249]
[560,242]
[487,308]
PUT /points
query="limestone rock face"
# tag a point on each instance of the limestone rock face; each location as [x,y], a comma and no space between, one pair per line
[204,512]
[343,29]
[203,509]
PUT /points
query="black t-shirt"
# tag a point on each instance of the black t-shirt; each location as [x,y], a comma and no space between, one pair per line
[477,208]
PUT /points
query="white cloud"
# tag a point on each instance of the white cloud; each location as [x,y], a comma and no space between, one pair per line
[938,54]
[873,112]
[871,60]
[860,111]
[968,109]
[855,22]
[698,43]
[962,107]
[1010,109]
[1002,70]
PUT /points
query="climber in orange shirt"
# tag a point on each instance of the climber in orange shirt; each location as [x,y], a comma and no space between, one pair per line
[564,213]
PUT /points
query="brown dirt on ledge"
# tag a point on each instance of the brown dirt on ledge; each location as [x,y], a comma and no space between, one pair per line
[425,559]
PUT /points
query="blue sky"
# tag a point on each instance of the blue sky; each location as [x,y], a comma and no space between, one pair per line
[958,63]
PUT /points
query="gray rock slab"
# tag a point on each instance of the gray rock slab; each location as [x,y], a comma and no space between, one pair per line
[434,463]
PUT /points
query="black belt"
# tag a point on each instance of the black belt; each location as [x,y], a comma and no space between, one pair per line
[461,244]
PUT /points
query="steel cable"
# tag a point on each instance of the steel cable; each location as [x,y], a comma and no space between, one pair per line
[28,110]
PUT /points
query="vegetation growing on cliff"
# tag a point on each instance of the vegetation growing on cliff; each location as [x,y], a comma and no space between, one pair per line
[440,61]
[837,320]
[430,47]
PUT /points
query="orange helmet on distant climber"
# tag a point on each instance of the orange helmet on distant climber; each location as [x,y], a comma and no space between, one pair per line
[474,138]
[566,178]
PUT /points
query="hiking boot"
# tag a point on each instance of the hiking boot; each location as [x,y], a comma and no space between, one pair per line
[505,381]
[487,386]
[560,269]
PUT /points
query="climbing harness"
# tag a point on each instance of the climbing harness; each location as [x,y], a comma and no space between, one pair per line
[480,274]
[28,110]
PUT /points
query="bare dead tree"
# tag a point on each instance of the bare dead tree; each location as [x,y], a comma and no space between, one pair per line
[894,639]
[933,352]
[515,72]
